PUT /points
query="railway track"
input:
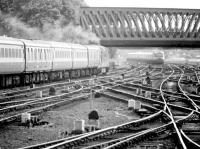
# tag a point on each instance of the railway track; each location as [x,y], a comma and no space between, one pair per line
[165,117]
[172,126]
[19,92]
[11,111]
[125,80]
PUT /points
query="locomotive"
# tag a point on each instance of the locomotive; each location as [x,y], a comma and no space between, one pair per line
[23,62]
[151,57]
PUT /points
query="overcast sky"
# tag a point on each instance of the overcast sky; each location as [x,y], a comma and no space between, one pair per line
[192,4]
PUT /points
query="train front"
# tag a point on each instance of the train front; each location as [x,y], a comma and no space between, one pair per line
[146,57]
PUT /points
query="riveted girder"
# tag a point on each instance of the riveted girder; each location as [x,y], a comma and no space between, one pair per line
[143,26]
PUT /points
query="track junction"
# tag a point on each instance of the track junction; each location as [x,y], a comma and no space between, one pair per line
[169,115]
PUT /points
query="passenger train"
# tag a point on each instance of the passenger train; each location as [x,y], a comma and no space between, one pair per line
[150,57]
[24,62]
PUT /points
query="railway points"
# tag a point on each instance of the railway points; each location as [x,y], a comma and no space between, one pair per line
[137,106]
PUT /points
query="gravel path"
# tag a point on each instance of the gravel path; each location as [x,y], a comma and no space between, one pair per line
[61,119]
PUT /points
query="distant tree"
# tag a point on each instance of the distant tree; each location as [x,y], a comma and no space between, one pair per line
[44,19]
[37,13]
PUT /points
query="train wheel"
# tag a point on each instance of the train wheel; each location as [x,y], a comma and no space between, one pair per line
[34,78]
[95,71]
[8,81]
[66,75]
[42,77]
[30,78]
[1,82]
[91,72]
[83,73]
[87,72]
[38,78]
[46,77]
[73,74]
[60,75]
[16,81]
[78,73]
[27,79]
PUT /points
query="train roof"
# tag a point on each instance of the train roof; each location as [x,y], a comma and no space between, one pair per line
[78,46]
[55,44]
[34,43]
[93,47]
[10,41]
[142,53]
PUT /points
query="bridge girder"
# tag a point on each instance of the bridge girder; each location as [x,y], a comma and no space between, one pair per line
[143,26]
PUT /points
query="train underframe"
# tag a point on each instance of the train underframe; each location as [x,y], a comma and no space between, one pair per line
[24,79]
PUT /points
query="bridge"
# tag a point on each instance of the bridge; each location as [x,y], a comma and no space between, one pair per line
[152,27]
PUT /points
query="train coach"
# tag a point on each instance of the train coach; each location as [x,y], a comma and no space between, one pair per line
[24,62]
[151,57]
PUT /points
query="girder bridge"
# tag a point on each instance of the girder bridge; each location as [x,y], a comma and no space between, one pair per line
[143,26]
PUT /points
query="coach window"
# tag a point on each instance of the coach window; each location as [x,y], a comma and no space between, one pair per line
[32,54]
[19,53]
[45,58]
[1,52]
[9,52]
[67,54]
[16,53]
[43,50]
[48,56]
[35,53]
[62,54]
[6,52]
[40,54]
[12,53]
[28,54]
[43,54]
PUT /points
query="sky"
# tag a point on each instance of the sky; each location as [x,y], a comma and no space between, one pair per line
[190,4]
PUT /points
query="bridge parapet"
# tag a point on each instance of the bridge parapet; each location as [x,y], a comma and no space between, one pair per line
[139,26]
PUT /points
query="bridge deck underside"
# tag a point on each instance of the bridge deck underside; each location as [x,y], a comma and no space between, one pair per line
[143,26]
